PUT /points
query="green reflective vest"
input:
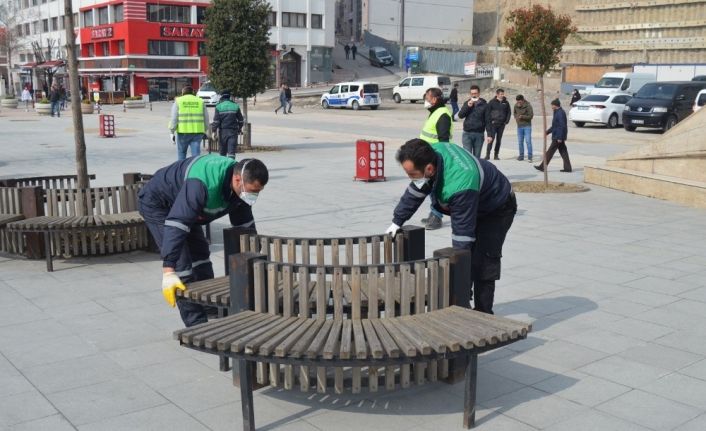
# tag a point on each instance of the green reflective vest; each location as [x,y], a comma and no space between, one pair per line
[190,114]
[211,170]
[462,171]
[429,133]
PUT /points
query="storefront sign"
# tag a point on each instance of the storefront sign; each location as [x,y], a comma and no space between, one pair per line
[187,32]
[102,33]
[469,68]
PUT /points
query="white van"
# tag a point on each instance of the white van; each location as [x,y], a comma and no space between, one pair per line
[352,95]
[208,93]
[413,87]
[621,82]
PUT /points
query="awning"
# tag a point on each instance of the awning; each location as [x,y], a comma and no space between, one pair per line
[170,74]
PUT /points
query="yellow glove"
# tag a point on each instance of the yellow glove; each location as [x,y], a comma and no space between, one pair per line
[170,283]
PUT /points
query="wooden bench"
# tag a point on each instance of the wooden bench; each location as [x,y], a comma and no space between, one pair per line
[10,210]
[389,345]
[47,182]
[82,222]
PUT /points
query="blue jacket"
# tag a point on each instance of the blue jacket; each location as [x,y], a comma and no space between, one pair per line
[465,204]
[559,129]
[177,203]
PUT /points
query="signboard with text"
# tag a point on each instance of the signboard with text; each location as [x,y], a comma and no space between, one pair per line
[182,32]
[102,33]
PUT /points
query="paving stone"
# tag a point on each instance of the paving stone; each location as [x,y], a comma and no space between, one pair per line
[649,410]
[566,354]
[698,424]
[606,341]
[74,373]
[678,387]
[23,407]
[623,371]
[639,329]
[165,417]
[581,388]
[206,393]
[524,369]
[697,370]
[31,353]
[536,408]
[594,420]
[50,423]
[660,356]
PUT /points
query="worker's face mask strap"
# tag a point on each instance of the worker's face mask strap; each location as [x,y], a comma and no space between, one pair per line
[247,197]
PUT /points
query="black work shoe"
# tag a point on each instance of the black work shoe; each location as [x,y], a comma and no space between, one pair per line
[432,223]
[487,157]
[426,219]
[539,168]
[521,158]
[496,157]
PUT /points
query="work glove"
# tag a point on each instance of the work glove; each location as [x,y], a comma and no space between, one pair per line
[170,283]
[173,138]
[392,230]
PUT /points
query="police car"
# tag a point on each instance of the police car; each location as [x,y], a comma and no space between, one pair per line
[352,95]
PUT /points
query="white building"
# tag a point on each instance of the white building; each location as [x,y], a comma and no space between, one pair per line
[303,36]
[441,22]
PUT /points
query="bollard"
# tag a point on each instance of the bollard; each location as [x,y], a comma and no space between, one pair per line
[370,160]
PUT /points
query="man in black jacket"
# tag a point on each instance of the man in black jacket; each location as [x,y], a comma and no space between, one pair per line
[499,114]
[228,123]
[559,131]
[474,122]
[453,100]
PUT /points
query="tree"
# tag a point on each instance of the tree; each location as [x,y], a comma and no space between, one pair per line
[238,48]
[12,38]
[535,38]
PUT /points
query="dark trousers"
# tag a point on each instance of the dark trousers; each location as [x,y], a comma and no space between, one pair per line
[496,132]
[454,109]
[563,151]
[486,252]
[194,264]
[227,141]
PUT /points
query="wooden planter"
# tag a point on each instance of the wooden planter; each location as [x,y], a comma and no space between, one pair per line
[134,104]
[43,108]
[9,103]
[87,108]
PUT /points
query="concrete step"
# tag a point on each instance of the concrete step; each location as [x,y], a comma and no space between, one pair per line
[683,191]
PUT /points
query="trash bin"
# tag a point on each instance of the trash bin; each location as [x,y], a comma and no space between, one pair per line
[106,125]
[370,160]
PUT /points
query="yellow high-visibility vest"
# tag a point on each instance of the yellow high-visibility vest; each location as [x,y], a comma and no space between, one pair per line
[429,133]
[190,114]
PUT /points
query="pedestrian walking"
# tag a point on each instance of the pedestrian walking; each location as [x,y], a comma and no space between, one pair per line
[559,132]
[282,99]
[182,197]
[26,97]
[575,96]
[354,50]
[453,98]
[288,96]
[227,124]
[62,95]
[55,100]
[347,48]
[523,116]
[499,114]
[477,196]
[189,122]
[475,122]
[437,128]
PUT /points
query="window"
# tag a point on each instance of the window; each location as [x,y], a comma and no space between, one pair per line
[27,29]
[334,90]
[159,13]
[344,89]
[45,25]
[200,14]
[202,48]
[168,47]
[34,2]
[118,13]
[35,27]
[121,47]
[105,48]
[90,52]
[621,100]
[87,18]
[103,15]
[405,82]
[354,88]
[417,82]
[18,29]
[54,24]
[626,84]
[290,19]
[22,58]
[316,21]
[272,19]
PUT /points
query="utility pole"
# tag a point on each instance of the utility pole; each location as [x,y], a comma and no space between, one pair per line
[497,31]
[402,63]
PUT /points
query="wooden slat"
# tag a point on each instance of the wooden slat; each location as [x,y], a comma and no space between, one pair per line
[283,348]
[338,293]
[262,342]
[406,285]
[344,353]
[333,340]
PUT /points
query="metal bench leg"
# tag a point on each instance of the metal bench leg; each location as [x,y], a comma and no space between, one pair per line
[224,363]
[245,368]
[469,404]
[47,251]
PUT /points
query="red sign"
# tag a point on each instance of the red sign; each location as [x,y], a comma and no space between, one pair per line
[102,33]
[187,32]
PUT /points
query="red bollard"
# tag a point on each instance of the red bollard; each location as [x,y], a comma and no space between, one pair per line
[370,160]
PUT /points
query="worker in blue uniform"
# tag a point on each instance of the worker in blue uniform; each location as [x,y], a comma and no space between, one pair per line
[185,195]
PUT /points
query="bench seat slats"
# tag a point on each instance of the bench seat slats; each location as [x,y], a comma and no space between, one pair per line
[200,339]
[284,347]
[374,344]
[260,337]
[388,343]
[306,340]
[242,328]
[187,334]
[237,342]
[317,344]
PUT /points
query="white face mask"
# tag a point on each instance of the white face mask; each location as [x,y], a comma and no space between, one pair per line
[247,197]
[475,99]
[420,182]
[427,104]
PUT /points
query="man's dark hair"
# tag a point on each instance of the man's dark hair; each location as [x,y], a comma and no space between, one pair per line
[187,90]
[499,90]
[419,152]
[455,84]
[254,171]
[435,92]
[519,97]
[475,87]
[556,102]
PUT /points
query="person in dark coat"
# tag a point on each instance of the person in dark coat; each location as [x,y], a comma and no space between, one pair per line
[282,100]
[288,96]
[354,50]
[55,100]
[575,96]
[228,122]
[559,132]
[499,113]
[453,99]
[477,196]
[475,122]
[347,48]
[182,197]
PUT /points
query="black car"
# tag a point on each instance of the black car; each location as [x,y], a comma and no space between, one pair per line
[699,78]
[661,104]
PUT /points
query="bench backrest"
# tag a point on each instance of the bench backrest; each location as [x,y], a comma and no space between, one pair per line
[46,182]
[91,201]
[10,200]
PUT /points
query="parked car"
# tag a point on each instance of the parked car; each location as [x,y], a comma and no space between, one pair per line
[379,56]
[352,95]
[699,78]
[621,82]
[413,87]
[600,109]
[661,104]
[208,93]
[700,100]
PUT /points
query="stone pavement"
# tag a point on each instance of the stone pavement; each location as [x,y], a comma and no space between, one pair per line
[615,285]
